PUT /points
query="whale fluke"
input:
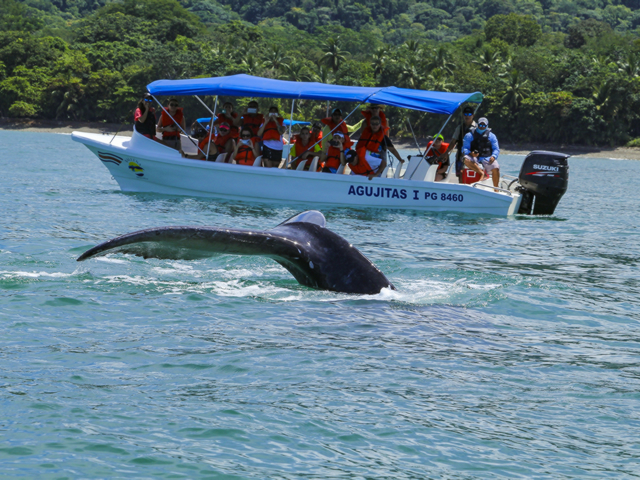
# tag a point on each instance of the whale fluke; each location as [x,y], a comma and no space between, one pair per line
[314,255]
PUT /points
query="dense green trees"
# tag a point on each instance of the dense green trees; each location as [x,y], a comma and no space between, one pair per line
[551,70]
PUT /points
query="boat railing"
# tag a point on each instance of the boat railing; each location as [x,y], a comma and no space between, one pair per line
[491,187]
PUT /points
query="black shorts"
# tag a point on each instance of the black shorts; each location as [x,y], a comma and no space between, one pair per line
[173,142]
[271,155]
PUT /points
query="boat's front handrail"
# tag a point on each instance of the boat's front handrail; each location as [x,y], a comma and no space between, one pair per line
[476,185]
[509,176]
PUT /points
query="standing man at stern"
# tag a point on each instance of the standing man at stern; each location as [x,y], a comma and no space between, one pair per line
[458,138]
[480,148]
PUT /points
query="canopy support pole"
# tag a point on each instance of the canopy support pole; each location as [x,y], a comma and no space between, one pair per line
[286,162]
[213,117]
[174,121]
[414,136]
[433,141]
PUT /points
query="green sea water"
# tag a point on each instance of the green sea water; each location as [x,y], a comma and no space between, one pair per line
[509,350]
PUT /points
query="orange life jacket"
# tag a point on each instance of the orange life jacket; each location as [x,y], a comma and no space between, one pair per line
[221,141]
[270,131]
[363,167]
[253,121]
[436,153]
[167,122]
[383,119]
[222,118]
[370,140]
[333,158]
[245,155]
[342,128]
[300,149]
[203,145]
[315,138]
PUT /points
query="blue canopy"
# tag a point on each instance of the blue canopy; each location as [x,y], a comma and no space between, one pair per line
[250,86]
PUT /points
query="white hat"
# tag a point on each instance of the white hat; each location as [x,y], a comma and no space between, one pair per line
[483,120]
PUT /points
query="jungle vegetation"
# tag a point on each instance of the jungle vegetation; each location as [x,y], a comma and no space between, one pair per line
[555,71]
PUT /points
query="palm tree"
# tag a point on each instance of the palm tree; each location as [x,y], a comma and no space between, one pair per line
[250,64]
[334,55]
[411,76]
[412,46]
[630,66]
[321,75]
[380,59]
[517,90]
[296,71]
[437,81]
[488,61]
[440,59]
[276,58]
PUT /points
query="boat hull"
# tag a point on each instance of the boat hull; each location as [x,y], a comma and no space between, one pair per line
[140,165]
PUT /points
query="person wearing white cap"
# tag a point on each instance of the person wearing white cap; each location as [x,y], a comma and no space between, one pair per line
[480,148]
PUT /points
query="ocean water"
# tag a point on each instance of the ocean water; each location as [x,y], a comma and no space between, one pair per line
[509,350]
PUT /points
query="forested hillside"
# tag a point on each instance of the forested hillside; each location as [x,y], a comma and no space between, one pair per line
[552,71]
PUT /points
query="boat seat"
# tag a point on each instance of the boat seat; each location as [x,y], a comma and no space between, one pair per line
[414,161]
[398,169]
[431,173]
[220,158]
[421,171]
[258,161]
[301,165]
[340,170]
[314,164]
[385,172]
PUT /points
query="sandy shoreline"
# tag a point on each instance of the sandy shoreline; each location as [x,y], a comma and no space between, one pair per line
[52,126]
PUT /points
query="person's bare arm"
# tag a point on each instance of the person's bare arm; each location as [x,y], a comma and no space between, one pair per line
[378,172]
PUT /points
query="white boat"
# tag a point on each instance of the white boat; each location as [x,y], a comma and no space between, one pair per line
[140,164]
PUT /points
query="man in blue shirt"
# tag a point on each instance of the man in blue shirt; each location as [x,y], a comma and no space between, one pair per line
[480,148]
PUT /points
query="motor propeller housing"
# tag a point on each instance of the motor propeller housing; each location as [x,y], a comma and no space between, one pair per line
[544,177]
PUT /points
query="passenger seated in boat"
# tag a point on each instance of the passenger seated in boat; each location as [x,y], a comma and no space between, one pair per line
[271,132]
[252,119]
[335,120]
[227,115]
[371,149]
[206,145]
[375,111]
[170,118]
[144,118]
[333,153]
[243,152]
[224,140]
[316,133]
[438,154]
[303,148]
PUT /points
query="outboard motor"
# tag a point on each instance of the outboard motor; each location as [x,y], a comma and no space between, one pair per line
[543,178]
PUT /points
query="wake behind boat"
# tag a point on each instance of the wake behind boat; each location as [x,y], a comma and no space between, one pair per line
[140,164]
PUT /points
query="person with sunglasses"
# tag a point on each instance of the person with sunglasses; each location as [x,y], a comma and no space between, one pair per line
[371,149]
[170,118]
[243,152]
[461,130]
[375,110]
[227,115]
[144,118]
[480,147]
[271,132]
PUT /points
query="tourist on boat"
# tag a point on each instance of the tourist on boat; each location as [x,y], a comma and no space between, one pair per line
[303,148]
[335,120]
[371,149]
[252,119]
[333,152]
[480,148]
[224,140]
[243,152]
[144,118]
[271,132]
[437,155]
[170,118]
[458,136]
[206,146]
[227,115]
[375,111]
[316,133]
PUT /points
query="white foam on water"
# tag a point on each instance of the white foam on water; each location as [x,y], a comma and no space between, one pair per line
[7,274]
[109,259]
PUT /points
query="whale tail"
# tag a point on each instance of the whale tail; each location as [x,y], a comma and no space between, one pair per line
[313,254]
